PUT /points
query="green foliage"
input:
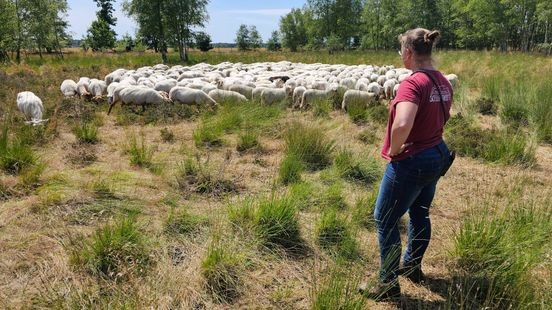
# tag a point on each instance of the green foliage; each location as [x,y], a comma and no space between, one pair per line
[294,30]
[86,133]
[333,233]
[243,39]
[114,251]
[273,44]
[220,270]
[203,41]
[338,290]
[290,169]
[500,252]
[15,156]
[310,145]
[363,213]
[247,140]
[276,223]
[100,36]
[366,170]
[510,149]
[140,153]
[181,222]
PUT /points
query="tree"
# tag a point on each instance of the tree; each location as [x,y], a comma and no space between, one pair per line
[254,37]
[273,44]
[243,39]
[203,41]
[149,14]
[7,28]
[100,34]
[293,29]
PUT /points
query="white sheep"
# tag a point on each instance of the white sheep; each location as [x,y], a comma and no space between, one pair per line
[220,95]
[312,95]
[82,86]
[97,88]
[354,97]
[69,88]
[375,88]
[388,87]
[137,95]
[298,95]
[395,90]
[453,79]
[186,95]
[31,106]
[242,89]
[270,96]
[165,85]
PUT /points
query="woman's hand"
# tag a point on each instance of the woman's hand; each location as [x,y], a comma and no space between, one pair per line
[403,147]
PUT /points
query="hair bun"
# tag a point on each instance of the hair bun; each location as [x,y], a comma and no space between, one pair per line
[430,37]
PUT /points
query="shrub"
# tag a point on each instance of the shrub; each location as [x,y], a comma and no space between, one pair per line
[366,171]
[115,251]
[86,133]
[139,152]
[333,233]
[181,222]
[276,223]
[15,156]
[219,268]
[310,145]
[167,135]
[290,169]
[247,140]
[363,213]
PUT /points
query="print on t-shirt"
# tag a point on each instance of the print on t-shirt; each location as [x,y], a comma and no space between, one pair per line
[435,94]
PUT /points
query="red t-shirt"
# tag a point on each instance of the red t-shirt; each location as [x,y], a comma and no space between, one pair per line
[427,130]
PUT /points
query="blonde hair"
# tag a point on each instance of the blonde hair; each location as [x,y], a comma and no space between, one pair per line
[421,41]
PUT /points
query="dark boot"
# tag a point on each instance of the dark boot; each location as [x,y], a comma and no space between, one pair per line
[382,291]
[412,272]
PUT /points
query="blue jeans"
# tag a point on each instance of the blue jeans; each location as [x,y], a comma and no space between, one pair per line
[407,185]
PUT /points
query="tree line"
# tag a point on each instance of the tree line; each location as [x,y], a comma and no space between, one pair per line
[522,25]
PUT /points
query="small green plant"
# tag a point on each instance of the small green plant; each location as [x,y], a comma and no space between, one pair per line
[220,270]
[208,134]
[321,108]
[510,149]
[333,233]
[339,290]
[167,135]
[242,214]
[363,213]
[276,223]
[181,222]
[333,197]
[290,169]
[366,171]
[247,140]
[15,156]
[86,133]
[310,145]
[30,177]
[140,153]
[115,251]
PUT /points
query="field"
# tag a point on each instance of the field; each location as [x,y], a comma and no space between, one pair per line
[250,206]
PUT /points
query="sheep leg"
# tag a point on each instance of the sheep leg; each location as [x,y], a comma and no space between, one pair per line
[110,107]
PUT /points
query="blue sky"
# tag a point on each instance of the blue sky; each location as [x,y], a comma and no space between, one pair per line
[225,17]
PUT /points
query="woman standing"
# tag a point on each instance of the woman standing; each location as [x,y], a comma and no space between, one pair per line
[417,156]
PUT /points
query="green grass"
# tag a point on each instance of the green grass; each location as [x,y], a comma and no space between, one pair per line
[322,108]
[220,270]
[115,251]
[510,149]
[194,176]
[248,140]
[365,170]
[277,224]
[363,213]
[334,234]
[139,152]
[499,253]
[86,133]
[303,193]
[290,169]
[338,290]
[333,197]
[358,112]
[310,145]
[15,156]
[180,223]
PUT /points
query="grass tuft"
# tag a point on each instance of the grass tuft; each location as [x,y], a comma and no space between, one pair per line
[363,213]
[181,222]
[140,153]
[115,251]
[337,291]
[247,140]
[333,233]
[310,145]
[366,171]
[290,170]
[86,133]
[167,135]
[219,268]
[276,223]
[194,176]
[15,156]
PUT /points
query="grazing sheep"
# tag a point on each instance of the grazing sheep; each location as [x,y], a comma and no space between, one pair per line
[138,96]
[31,106]
[242,89]
[186,95]
[270,96]
[388,88]
[452,78]
[82,87]
[165,85]
[374,88]
[395,90]
[357,97]
[115,76]
[69,88]
[220,95]
[312,95]
[381,79]
[256,93]
[298,96]
[97,88]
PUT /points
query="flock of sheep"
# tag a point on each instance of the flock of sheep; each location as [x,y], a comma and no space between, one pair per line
[204,84]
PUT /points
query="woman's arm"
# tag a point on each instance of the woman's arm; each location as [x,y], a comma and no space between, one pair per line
[402,125]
